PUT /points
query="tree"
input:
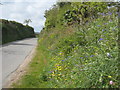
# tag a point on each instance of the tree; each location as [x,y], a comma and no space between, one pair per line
[27,21]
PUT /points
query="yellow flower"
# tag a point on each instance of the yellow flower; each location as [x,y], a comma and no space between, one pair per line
[59,68]
[59,74]
[109,76]
[60,53]
[96,53]
[65,79]
[53,74]
[59,77]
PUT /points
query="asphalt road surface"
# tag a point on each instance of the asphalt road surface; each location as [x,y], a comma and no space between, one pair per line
[13,55]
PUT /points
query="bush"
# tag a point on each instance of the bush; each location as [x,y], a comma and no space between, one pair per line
[12,31]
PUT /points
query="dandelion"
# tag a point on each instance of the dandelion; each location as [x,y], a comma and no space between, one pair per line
[111,82]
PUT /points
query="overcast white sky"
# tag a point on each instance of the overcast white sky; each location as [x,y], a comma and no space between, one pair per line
[19,10]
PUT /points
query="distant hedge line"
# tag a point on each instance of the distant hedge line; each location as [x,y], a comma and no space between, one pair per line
[12,31]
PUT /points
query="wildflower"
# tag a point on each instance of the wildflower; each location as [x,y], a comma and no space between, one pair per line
[103,14]
[110,20]
[109,76]
[65,79]
[50,71]
[108,54]
[110,13]
[57,64]
[59,74]
[100,80]
[59,68]
[53,74]
[91,55]
[96,53]
[111,82]
[63,60]
[60,53]
[98,25]
[100,39]
[118,14]
[103,30]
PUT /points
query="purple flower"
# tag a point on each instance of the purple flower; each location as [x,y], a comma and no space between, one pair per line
[108,54]
[50,71]
[92,56]
[110,20]
[113,29]
[103,30]
[103,14]
[109,13]
[118,14]
[57,65]
[81,57]
[111,82]
[63,60]
[100,39]
[98,25]
[105,23]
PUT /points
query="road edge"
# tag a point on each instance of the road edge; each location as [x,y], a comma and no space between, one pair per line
[21,69]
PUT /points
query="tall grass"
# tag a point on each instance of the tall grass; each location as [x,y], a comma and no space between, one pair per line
[76,56]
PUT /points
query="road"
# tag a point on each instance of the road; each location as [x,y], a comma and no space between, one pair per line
[13,55]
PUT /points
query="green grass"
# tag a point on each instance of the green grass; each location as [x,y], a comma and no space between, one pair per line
[76,56]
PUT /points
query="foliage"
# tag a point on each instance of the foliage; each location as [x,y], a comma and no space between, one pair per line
[12,31]
[74,55]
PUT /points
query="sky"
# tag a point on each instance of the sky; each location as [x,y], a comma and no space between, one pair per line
[19,10]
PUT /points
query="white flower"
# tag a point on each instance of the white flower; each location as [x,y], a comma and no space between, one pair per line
[108,54]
